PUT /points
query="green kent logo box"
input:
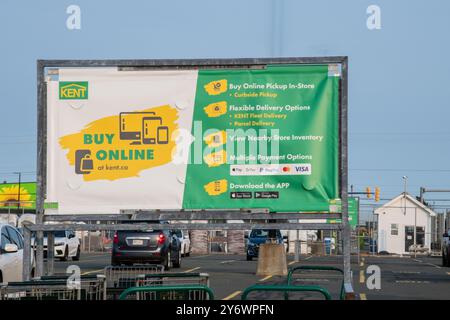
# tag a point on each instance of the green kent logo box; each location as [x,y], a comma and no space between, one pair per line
[73,90]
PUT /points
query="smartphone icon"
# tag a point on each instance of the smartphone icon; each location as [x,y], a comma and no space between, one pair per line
[163,135]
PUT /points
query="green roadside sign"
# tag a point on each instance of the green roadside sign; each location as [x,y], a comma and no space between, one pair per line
[353,212]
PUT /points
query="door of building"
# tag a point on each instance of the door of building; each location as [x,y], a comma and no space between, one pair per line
[409,237]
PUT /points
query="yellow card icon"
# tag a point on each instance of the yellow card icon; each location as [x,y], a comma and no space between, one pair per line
[214,188]
[216,87]
[216,139]
[216,159]
[216,109]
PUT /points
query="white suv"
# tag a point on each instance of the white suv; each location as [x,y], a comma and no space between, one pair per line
[11,254]
[67,245]
[185,241]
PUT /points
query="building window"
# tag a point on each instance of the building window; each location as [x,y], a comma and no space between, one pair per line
[394,229]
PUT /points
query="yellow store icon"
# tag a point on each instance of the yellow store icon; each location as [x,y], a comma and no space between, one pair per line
[216,87]
[214,188]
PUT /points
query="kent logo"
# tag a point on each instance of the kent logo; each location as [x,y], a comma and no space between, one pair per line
[73,90]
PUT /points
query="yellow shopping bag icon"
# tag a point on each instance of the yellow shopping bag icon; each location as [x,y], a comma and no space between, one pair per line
[216,109]
[216,87]
[214,188]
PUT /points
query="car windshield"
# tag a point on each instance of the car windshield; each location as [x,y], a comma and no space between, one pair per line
[58,234]
[262,233]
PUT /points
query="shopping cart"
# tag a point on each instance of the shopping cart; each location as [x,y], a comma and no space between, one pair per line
[318,268]
[172,279]
[179,292]
[56,288]
[119,278]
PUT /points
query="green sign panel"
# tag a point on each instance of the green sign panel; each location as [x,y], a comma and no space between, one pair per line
[353,212]
[269,139]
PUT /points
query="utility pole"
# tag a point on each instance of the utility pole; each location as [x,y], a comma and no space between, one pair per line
[18,192]
[415,232]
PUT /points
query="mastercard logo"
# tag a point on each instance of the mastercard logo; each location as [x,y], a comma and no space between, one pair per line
[286,169]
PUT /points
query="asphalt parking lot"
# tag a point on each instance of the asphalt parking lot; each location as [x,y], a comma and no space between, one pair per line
[401,277]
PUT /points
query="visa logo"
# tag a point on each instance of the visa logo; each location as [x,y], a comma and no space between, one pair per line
[301,168]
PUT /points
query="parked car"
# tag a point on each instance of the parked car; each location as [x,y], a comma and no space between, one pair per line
[150,246]
[446,249]
[260,236]
[11,254]
[67,245]
[185,242]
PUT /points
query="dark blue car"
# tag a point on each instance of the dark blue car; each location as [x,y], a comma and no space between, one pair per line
[259,236]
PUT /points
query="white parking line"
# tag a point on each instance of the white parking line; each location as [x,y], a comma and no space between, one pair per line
[190,270]
[434,265]
[227,261]
[412,281]
[93,271]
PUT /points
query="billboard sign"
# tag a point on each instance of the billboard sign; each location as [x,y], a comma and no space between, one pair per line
[211,138]
[11,194]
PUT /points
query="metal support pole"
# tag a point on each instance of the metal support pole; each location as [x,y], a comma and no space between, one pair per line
[41,166]
[39,243]
[27,253]
[50,253]
[344,175]
[415,232]
[297,247]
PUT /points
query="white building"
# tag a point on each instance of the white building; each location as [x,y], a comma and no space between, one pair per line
[396,221]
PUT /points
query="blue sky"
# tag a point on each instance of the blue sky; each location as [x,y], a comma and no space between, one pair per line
[398,75]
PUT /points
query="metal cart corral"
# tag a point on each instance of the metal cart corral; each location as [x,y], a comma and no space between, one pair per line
[56,288]
[180,292]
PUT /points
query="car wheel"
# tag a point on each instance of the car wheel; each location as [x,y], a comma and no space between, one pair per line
[444,261]
[66,255]
[77,256]
[249,258]
[177,264]
[167,261]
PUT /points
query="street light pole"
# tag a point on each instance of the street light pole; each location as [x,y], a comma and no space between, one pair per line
[405,179]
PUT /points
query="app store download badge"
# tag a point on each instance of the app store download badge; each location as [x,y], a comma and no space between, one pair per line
[217,187]
[216,87]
